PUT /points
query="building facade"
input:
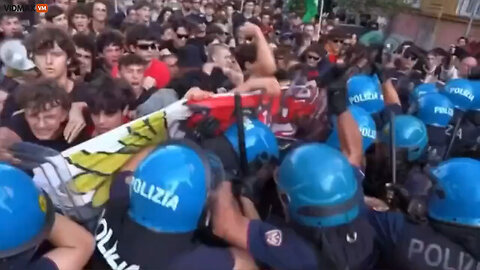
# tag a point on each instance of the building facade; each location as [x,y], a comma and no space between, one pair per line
[433,23]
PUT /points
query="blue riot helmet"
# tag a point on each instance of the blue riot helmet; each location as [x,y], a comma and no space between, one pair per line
[26,213]
[318,185]
[461,93]
[476,88]
[169,187]
[365,123]
[410,134]
[259,140]
[364,91]
[435,109]
[456,195]
[422,89]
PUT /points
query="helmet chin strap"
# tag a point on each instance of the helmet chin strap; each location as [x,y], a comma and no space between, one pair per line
[241,134]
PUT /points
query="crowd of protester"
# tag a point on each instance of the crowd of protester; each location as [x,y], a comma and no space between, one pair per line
[83,69]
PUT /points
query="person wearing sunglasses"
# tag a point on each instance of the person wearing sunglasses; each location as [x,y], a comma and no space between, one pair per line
[317,63]
[181,36]
[140,40]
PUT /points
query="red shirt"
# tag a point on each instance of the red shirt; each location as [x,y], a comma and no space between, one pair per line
[156,69]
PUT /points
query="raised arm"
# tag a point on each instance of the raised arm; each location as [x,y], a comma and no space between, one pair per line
[265,62]
[73,244]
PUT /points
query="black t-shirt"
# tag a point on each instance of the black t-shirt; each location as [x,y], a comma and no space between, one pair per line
[197,78]
[19,125]
[200,44]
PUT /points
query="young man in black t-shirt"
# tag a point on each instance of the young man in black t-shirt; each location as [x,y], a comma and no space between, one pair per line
[43,117]
[131,69]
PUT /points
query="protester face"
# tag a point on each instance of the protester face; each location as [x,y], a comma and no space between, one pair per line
[61,21]
[105,122]
[248,8]
[158,4]
[266,19]
[146,49]
[187,5]
[312,59]
[85,59]
[257,10]
[181,37]
[46,124]
[168,34]
[99,12]
[111,54]
[52,63]
[209,11]
[462,42]
[309,30]
[166,16]
[223,37]
[223,57]
[171,62]
[196,5]
[335,45]
[411,62]
[131,17]
[10,26]
[466,65]
[64,4]
[431,61]
[80,23]
[133,75]
[144,14]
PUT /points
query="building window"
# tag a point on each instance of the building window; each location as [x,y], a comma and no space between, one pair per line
[413,3]
[465,8]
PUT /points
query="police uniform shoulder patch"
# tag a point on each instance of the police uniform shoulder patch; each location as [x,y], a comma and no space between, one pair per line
[274,238]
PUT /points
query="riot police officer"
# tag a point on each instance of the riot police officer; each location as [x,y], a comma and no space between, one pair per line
[411,141]
[152,222]
[449,238]
[28,219]
[462,129]
[322,197]
[320,189]
[365,123]
[436,111]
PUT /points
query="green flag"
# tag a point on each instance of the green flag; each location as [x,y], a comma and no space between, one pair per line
[311,10]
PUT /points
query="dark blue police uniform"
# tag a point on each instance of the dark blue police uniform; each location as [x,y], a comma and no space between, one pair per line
[291,246]
[408,246]
[125,244]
